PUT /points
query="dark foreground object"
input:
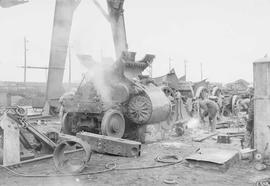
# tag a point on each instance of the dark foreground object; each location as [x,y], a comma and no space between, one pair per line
[108,145]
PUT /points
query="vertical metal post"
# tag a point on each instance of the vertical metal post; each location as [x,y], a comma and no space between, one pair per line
[261,80]
[24,77]
[170,60]
[117,21]
[185,67]
[201,72]
[69,65]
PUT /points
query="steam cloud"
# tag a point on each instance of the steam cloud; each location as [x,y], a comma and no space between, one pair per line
[193,123]
[100,74]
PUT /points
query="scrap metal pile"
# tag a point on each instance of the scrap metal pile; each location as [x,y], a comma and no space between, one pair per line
[20,139]
[16,144]
[231,99]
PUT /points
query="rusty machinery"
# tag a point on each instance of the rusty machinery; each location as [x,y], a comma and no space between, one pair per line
[18,147]
[188,92]
[134,103]
[174,90]
[197,91]
[236,97]
[19,115]
[64,10]
[192,93]
[14,125]
[229,104]
[226,105]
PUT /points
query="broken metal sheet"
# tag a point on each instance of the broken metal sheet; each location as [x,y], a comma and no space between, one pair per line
[213,155]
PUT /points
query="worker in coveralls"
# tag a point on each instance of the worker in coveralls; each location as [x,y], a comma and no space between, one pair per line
[209,108]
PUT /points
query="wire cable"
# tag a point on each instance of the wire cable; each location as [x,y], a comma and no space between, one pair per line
[108,167]
[168,160]
[58,175]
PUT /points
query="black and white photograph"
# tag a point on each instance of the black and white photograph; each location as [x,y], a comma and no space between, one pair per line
[134,92]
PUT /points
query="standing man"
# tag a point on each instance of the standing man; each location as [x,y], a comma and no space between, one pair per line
[209,108]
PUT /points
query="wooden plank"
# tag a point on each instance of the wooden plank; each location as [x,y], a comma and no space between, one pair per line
[203,137]
[223,125]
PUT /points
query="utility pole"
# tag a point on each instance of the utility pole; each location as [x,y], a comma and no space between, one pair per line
[25,50]
[69,69]
[170,60]
[185,67]
[201,72]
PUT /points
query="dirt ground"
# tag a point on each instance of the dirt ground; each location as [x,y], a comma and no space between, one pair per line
[241,173]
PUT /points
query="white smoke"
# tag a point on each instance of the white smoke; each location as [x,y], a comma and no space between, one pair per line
[193,123]
[100,74]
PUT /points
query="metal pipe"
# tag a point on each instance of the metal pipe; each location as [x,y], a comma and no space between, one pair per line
[41,158]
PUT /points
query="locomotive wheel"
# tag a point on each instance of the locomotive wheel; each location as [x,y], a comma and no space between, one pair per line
[139,109]
[113,124]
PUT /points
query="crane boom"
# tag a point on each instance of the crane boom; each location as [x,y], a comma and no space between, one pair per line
[63,16]
[117,21]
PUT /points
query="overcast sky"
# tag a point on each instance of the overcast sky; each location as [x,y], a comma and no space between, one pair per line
[226,36]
